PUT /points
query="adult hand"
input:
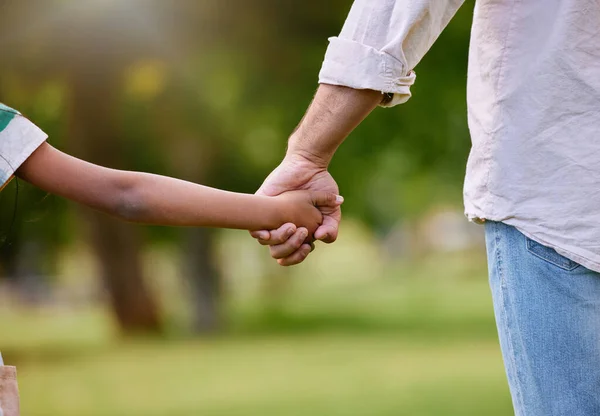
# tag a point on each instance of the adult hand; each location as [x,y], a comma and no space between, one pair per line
[289,245]
[333,114]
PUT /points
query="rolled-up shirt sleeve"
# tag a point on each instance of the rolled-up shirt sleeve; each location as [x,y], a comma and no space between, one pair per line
[19,138]
[381,43]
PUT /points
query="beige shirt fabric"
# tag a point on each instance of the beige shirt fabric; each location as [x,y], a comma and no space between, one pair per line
[533,104]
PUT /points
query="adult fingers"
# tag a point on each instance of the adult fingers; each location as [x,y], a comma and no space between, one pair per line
[328,231]
[326,199]
[275,237]
[297,257]
[290,246]
[262,235]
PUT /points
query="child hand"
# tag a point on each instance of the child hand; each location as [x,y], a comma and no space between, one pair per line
[302,208]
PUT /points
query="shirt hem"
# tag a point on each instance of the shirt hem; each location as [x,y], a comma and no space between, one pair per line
[583,260]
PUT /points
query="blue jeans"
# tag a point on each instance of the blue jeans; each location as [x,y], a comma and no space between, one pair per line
[548,315]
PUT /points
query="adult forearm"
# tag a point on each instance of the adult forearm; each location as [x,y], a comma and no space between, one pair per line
[333,114]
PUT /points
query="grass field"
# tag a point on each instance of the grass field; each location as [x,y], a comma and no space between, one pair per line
[424,345]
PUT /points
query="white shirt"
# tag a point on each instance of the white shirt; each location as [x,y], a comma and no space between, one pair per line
[533,99]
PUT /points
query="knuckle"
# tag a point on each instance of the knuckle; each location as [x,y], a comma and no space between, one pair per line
[275,237]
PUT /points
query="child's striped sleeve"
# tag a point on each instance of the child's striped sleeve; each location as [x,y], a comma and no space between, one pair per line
[19,138]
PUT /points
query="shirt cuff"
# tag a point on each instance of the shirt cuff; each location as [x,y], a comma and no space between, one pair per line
[19,139]
[355,65]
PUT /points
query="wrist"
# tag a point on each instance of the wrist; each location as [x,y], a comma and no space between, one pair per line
[273,212]
[300,155]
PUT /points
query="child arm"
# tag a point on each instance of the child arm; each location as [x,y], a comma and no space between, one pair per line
[159,200]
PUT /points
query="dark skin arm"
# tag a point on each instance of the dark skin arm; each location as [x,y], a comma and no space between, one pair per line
[153,199]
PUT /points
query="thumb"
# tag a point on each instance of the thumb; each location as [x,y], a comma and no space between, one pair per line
[326,199]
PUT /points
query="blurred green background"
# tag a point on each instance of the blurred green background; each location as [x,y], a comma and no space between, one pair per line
[106,318]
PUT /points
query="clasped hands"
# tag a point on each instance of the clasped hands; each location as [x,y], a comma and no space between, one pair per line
[289,244]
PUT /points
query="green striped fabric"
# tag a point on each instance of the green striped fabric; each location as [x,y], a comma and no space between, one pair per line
[6,115]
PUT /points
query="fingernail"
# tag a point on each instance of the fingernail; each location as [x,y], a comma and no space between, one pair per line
[339,199]
[263,235]
[289,232]
[304,234]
